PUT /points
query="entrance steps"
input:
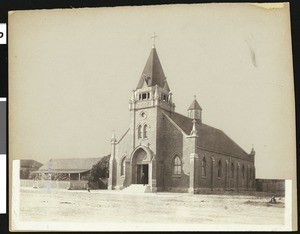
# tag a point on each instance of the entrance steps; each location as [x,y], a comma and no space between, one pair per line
[137,188]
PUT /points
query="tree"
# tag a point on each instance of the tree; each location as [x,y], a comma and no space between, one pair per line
[100,170]
[24,173]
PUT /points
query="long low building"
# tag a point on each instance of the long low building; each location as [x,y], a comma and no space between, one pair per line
[27,167]
[75,170]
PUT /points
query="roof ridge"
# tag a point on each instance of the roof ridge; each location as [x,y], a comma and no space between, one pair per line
[174,123]
[185,123]
[124,134]
[233,141]
[229,138]
[182,115]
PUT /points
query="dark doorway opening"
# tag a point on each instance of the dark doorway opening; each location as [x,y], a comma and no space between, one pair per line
[142,168]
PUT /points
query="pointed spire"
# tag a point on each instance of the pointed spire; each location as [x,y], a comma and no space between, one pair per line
[195,105]
[170,97]
[113,137]
[252,151]
[153,73]
[194,130]
[133,96]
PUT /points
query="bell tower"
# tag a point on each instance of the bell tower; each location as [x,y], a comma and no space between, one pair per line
[152,89]
[148,101]
[151,97]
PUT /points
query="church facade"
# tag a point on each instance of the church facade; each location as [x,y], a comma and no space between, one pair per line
[168,151]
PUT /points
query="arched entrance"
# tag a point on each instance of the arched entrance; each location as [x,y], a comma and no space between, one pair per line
[141,166]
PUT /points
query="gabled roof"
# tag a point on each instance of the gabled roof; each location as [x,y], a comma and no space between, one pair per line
[30,163]
[69,165]
[153,73]
[195,106]
[208,137]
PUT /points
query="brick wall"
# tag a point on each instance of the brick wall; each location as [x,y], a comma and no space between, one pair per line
[171,142]
[165,140]
[270,186]
[223,178]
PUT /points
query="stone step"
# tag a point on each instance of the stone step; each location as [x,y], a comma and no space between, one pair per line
[137,188]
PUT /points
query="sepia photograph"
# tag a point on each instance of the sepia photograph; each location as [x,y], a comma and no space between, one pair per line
[152,118]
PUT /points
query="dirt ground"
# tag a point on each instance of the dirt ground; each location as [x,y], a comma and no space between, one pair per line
[104,206]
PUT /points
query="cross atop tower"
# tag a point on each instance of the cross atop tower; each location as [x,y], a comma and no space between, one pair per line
[153,37]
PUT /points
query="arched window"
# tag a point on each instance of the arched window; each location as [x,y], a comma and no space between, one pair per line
[123,166]
[139,131]
[243,171]
[203,167]
[232,170]
[145,130]
[176,165]
[219,169]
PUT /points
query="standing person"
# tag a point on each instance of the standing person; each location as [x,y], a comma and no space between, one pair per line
[89,186]
[143,179]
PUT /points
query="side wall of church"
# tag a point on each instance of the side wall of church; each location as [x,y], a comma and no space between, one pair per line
[171,142]
[222,172]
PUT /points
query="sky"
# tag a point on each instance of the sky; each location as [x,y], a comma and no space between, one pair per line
[72,71]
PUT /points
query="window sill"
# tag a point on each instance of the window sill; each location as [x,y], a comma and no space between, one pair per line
[176,176]
[203,177]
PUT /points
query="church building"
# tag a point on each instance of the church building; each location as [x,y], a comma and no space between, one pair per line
[168,151]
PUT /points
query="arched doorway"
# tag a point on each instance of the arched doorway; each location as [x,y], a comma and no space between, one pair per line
[140,167]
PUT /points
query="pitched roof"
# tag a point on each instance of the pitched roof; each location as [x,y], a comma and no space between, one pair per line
[195,106]
[29,163]
[153,73]
[209,137]
[70,165]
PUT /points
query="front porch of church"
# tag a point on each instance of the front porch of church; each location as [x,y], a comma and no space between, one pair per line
[137,169]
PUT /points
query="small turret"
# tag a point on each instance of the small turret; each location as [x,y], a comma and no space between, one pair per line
[113,138]
[252,153]
[195,111]
[132,100]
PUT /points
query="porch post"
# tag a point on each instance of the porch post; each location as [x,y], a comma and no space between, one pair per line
[112,164]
